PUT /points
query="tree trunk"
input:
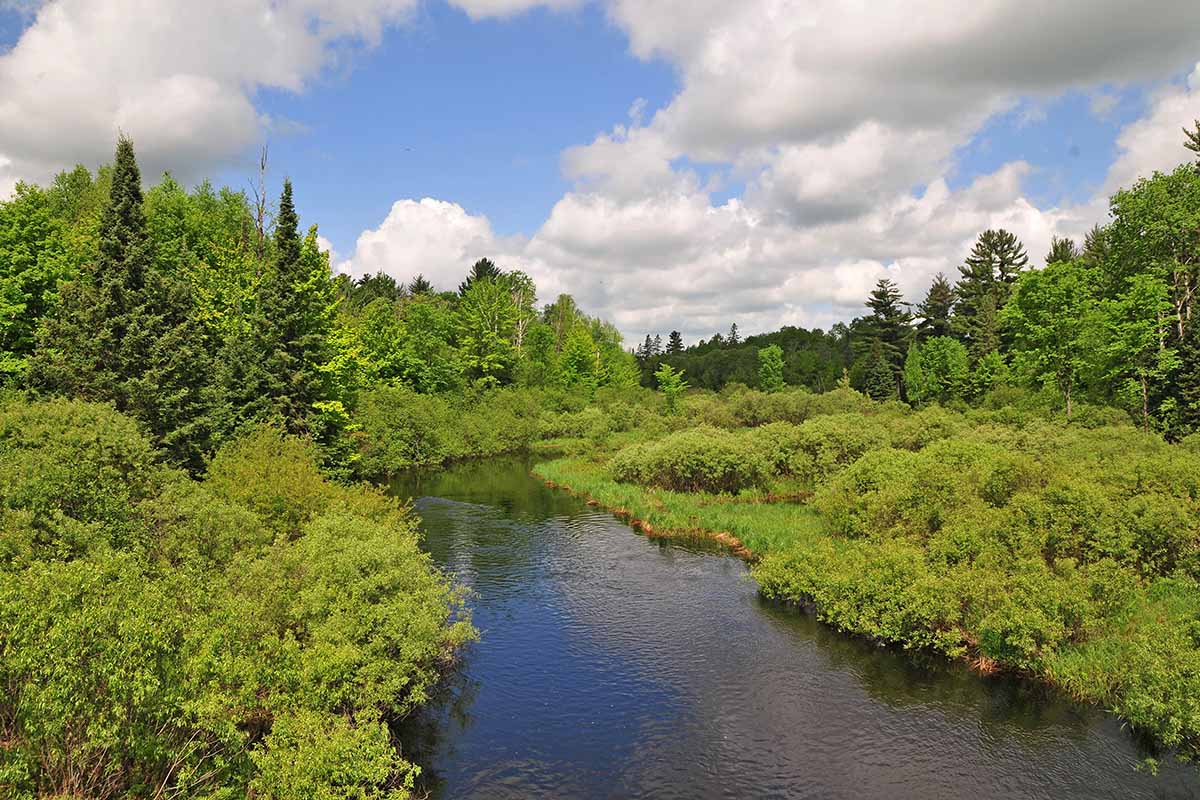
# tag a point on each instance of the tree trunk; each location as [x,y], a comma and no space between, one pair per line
[1145,405]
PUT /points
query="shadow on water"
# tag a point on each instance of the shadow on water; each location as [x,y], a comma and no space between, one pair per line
[611,665]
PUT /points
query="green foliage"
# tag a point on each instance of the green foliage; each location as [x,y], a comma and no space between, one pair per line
[487,323]
[697,460]
[254,633]
[401,429]
[672,385]
[126,331]
[936,370]
[1048,318]
[770,369]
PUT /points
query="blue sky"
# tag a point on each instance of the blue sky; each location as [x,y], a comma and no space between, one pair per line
[475,111]
[786,155]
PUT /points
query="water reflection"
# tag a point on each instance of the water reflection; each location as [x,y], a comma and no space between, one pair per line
[615,666]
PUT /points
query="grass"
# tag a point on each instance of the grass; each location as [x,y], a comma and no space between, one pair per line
[757,523]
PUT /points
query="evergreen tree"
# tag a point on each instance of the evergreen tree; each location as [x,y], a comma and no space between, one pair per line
[674,344]
[733,340]
[126,333]
[1061,250]
[656,348]
[936,309]
[280,369]
[480,270]
[1192,141]
[996,260]
[880,381]
[643,350]
[888,330]
[419,285]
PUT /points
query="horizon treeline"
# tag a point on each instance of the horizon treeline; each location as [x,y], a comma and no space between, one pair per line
[1107,320]
[201,313]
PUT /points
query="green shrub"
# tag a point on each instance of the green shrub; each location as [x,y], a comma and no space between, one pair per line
[702,459]
[252,633]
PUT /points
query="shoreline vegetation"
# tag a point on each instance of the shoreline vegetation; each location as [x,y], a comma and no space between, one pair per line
[201,594]
[1013,541]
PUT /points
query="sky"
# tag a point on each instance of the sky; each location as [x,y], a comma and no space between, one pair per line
[673,164]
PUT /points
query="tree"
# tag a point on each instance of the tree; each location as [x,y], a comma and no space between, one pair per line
[672,385]
[656,346]
[1137,360]
[770,368]
[1063,249]
[674,343]
[579,361]
[126,333]
[419,285]
[480,270]
[487,322]
[1047,317]
[524,297]
[879,374]
[1192,141]
[988,273]
[733,339]
[560,316]
[32,261]
[935,311]
[936,370]
[887,329]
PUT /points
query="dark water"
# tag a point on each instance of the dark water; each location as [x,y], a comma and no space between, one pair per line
[615,666]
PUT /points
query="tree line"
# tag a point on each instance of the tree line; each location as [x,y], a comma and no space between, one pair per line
[199,314]
[1107,321]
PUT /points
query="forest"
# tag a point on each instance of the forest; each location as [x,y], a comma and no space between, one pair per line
[205,593]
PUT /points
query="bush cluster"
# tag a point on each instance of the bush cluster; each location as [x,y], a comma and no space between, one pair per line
[250,634]
[701,459]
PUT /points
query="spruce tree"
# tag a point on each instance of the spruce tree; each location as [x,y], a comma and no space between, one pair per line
[674,343]
[480,270]
[419,285]
[1061,250]
[880,374]
[734,339]
[996,260]
[656,346]
[935,311]
[127,334]
[277,371]
[1192,141]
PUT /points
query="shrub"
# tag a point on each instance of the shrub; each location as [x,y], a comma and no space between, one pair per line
[702,459]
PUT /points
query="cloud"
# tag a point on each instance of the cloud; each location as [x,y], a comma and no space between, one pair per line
[179,77]
[483,9]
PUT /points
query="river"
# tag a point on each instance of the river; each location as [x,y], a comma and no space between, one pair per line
[611,665]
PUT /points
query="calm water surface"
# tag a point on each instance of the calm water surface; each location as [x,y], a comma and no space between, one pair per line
[614,666]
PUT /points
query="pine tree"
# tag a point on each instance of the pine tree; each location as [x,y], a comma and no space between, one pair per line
[1192,141]
[480,270]
[888,329]
[1061,250]
[656,346]
[996,260]
[127,334]
[936,309]
[733,340]
[674,344]
[419,285]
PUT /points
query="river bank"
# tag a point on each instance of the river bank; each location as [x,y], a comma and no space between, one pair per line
[612,664]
